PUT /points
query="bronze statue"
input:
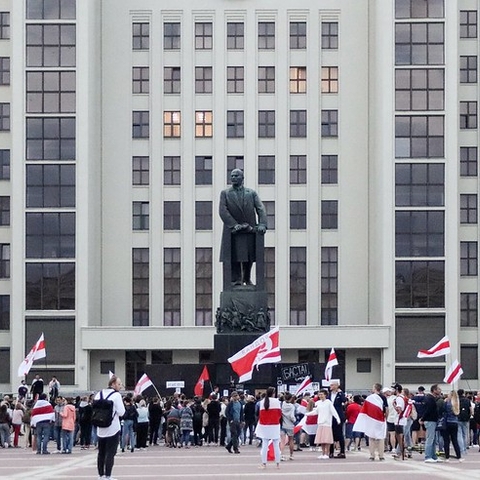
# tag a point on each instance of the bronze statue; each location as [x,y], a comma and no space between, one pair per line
[239,209]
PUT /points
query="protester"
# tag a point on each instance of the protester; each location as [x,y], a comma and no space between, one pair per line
[42,420]
[68,415]
[186,424]
[451,409]
[85,422]
[142,425]
[234,414]
[288,422]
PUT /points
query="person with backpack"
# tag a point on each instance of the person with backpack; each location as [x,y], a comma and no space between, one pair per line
[464,421]
[198,411]
[85,422]
[130,418]
[109,402]
[450,411]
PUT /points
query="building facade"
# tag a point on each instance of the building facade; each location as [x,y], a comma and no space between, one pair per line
[355,121]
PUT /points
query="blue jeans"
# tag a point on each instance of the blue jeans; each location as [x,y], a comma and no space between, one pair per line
[57,436]
[463,428]
[67,439]
[43,430]
[430,440]
[128,430]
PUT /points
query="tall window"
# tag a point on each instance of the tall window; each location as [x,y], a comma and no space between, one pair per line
[329,79]
[171,170]
[140,170]
[140,36]
[419,89]
[171,215]
[203,123]
[235,79]
[4,312]
[419,44]
[298,169]
[203,286]
[172,80]
[266,123]
[235,124]
[329,214]
[468,24]
[266,169]
[4,211]
[171,36]
[468,69]
[468,208]
[50,92]
[172,287]
[203,170]
[171,124]
[4,70]
[419,136]
[266,35]
[203,36]
[235,35]
[469,358]
[233,162]
[270,279]
[419,184]
[4,164]
[203,79]
[140,287]
[4,25]
[4,260]
[298,286]
[140,124]
[298,214]
[298,79]
[330,35]
[298,35]
[329,169]
[469,309]
[468,259]
[203,215]
[140,79]
[468,161]
[270,211]
[140,215]
[298,123]
[4,117]
[329,286]
[468,115]
[266,79]
[329,123]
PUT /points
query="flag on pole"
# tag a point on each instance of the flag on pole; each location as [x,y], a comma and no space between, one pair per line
[332,361]
[454,373]
[38,351]
[204,377]
[371,419]
[439,349]
[264,349]
[110,374]
[304,385]
[142,384]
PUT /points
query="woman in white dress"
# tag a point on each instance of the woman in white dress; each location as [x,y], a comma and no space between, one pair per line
[326,411]
[268,426]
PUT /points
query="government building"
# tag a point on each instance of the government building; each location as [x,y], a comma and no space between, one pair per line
[356,121]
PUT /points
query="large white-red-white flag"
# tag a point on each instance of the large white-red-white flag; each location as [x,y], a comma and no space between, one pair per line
[307,381]
[38,351]
[371,419]
[332,361]
[439,349]
[454,373]
[142,384]
[264,349]
[204,377]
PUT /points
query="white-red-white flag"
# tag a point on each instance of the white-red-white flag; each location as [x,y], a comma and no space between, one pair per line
[332,361]
[38,351]
[307,381]
[264,349]
[204,377]
[110,374]
[142,384]
[371,419]
[454,373]
[439,349]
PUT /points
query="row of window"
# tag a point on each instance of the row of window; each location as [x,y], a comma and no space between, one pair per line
[235,124]
[204,215]
[235,80]
[235,35]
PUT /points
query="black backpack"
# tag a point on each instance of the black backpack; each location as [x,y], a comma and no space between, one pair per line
[102,411]
[476,412]
[464,415]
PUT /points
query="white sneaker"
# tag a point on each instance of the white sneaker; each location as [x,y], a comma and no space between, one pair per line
[431,460]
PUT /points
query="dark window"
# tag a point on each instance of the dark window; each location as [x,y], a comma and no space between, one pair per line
[298,123]
[330,35]
[162,357]
[4,117]
[419,44]
[172,287]
[4,211]
[171,36]
[171,80]
[4,260]
[419,184]
[298,214]
[140,36]
[107,366]
[468,69]
[235,35]
[233,162]
[298,169]
[50,235]
[308,356]
[140,215]
[468,259]
[468,24]
[171,215]
[270,280]
[135,361]
[203,36]
[266,169]
[5,362]
[140,170]
[140,287]
[51,45]
[420,284]
[468,161]
[266,123]
[419,89]
[205,356]
[364,365]
[469,361]
[266,35]
[329,286]
[468,208]
[298,286]
[51,92]
[298,35]
[4,164]
[4,70]
[468,115]
[235,79]
[140,80]
[50,138]
[140,124]
[203,79]
[4,25]
[329,123]
[415,9]
[4,312]
[329,214]
[419,234]
[50,186]
[203,286]
[329,169]
[51,10]
[270,211]
[235,124]
[203,215]
[266,79]
[171,170]
[203,170]
[422,374]
[419,136]
[469,309]
[50,286]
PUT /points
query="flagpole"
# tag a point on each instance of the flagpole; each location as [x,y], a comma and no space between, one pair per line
[158,393]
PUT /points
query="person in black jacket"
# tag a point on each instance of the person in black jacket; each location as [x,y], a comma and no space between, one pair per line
[155,418]
[129,424]
[198,411]
[338,398]
[250,419]
[429,419]
[213,409]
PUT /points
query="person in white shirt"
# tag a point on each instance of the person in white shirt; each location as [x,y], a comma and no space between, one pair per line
[108,437]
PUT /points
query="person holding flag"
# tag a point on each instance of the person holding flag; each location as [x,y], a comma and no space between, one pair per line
[339,400]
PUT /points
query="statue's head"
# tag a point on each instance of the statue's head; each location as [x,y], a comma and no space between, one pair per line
[236,176]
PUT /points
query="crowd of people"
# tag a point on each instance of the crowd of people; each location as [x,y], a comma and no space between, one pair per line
[327,422]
